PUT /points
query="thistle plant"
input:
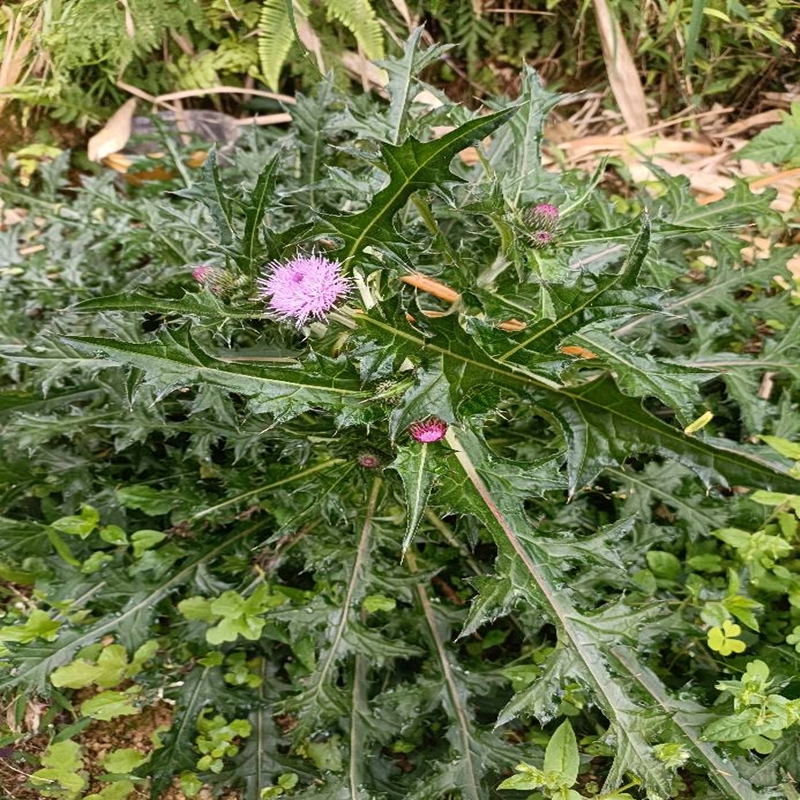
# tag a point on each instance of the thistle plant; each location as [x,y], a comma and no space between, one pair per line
[386,554]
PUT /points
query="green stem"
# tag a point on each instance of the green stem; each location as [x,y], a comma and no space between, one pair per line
[433,226]
[297,476]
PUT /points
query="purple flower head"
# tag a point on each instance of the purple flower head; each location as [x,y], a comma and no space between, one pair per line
[542,217]
[428,430]
[369,461]
[541,238]
[203,274]
[305,286]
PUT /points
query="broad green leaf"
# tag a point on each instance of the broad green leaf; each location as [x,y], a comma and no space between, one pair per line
[783,446]
[111,668]
[109,705]
[119,790]
[35,663]
[62,774]
[663,565]
[145,498]
[142,541]
[124,760]
[38,625]
[378,602]
[81,526]
[561,755]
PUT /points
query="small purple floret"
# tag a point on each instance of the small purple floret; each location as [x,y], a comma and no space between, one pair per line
[547,213]
[428,430]
[541,238]
[304,287]
[203,273]
[369,461]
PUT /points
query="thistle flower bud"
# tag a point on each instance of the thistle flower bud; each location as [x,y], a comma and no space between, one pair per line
[219,281]
[429,430]
[203,273]
[542,217]
[542,220]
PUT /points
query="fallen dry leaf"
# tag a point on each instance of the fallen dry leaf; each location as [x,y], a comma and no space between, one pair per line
[623,77]
[114,134]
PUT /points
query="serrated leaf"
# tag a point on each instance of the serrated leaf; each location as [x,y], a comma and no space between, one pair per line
[778,144]
[177,361]
[322,698]
[176,752]
[412,463]
[515,152]
[198,304]
[540,580]
[591,299]
[412,166]
[689,719]
[403,82]
[260,198]
[641,375]
[211,192]
[601,426]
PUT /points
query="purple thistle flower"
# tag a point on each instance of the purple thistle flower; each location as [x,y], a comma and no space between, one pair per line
[305,286]
[428,430]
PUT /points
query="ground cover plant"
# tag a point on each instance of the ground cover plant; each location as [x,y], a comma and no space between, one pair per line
[371,466]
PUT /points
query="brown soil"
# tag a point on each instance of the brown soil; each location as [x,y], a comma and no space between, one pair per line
[18,761]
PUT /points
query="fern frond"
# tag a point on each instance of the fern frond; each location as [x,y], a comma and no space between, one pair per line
[275,38]
[359,17]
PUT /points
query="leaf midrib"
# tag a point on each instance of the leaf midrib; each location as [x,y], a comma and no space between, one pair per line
[200,368]
[561,611]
